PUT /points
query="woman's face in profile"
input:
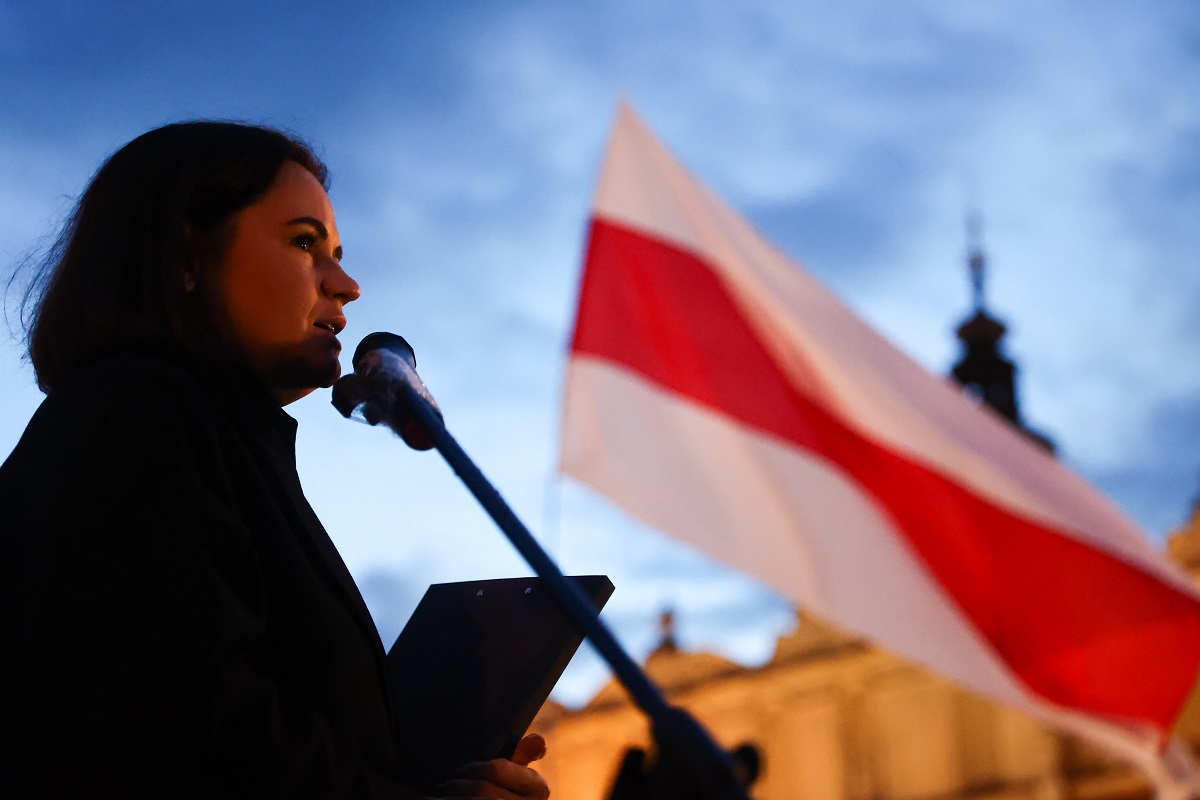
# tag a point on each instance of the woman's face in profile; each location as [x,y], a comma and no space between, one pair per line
[283,287]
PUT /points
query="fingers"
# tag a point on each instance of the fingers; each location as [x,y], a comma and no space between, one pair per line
[529,749]
[500,779]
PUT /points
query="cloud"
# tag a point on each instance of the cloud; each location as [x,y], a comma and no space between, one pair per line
[465,141]
[1160,478]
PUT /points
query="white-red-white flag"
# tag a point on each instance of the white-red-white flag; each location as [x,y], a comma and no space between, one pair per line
[717,392]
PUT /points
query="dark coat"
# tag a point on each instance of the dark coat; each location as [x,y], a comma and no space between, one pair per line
[175,621]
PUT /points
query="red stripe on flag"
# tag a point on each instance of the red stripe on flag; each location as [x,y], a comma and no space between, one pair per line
[1078,626]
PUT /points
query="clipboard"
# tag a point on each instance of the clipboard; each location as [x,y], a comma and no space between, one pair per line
[472,667]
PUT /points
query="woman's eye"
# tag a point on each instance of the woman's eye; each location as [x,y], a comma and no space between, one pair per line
[305,241]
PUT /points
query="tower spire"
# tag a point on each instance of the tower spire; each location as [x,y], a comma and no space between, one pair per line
[983,370]
[976,261]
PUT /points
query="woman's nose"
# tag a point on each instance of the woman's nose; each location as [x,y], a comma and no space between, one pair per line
[337,283]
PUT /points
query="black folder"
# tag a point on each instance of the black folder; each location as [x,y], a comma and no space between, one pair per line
[473,666]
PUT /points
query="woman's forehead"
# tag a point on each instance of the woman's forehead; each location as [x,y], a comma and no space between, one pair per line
[296,193]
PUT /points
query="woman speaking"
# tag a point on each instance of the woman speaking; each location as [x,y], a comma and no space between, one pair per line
[175,621]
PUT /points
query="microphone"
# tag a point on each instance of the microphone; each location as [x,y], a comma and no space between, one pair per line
[383,387]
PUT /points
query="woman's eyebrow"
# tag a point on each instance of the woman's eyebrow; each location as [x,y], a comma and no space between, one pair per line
[322,231]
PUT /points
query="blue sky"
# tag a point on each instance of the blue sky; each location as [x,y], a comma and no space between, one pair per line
[464,141]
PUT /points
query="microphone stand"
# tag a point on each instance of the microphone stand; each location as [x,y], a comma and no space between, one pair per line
[682,741]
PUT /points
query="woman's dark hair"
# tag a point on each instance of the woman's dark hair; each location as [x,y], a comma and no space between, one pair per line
[134,266]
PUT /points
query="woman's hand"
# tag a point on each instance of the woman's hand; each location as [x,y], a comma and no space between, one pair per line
[502,778]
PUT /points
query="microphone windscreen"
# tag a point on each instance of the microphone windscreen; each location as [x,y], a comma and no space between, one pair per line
[384,367]
[382,340]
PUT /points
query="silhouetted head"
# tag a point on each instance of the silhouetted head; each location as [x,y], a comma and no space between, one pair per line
[136,266]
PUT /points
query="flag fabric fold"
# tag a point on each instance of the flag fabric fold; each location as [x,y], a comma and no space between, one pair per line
[721,395]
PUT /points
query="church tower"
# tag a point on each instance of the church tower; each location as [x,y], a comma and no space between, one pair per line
[983,370]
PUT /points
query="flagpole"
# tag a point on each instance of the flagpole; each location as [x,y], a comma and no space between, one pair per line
[683,743]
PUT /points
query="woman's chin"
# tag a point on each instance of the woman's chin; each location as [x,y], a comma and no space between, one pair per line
[288,396]
[301,379]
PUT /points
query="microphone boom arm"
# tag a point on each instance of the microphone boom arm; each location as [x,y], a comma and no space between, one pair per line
[410,406]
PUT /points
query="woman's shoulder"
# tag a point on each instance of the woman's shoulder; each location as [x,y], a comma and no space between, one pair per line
[123,402]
